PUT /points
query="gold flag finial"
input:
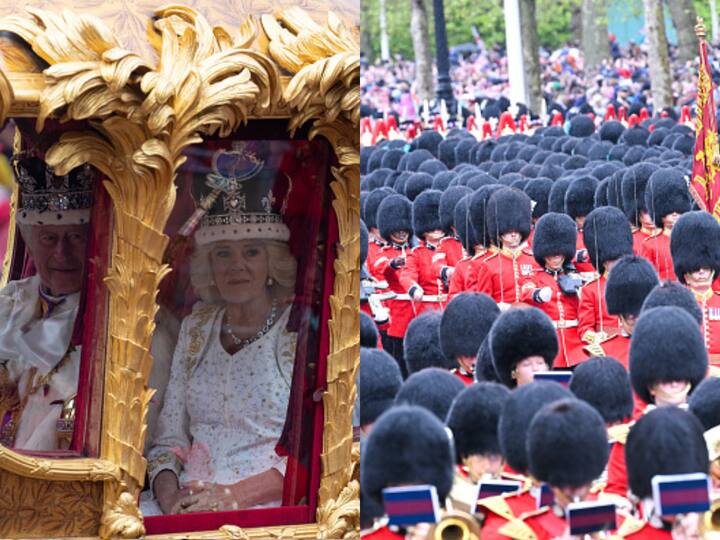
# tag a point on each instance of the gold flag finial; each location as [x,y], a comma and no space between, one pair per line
[700,28]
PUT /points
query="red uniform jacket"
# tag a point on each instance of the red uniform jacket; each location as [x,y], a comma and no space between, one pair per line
[381,533]
[422,268]
[639,236]
[645,532]
[464,376]
[453,250]
[582,267]
[563,310]
[503,508]
[617,347]
[592,312]
[457,281]
[656,249]
[710,306]
[502,274]
[471,274]
[401,311]
[374,248]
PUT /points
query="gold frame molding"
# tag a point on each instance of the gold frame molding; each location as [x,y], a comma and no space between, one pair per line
[207,80]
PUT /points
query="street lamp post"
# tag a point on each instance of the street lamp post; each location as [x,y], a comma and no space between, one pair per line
[443,89]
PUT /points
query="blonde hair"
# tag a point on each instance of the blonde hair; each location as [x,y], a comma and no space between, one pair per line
[282,269]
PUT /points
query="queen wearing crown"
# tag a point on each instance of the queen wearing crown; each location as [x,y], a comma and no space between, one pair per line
[229,385]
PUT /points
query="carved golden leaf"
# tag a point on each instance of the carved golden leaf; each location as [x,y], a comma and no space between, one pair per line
[6,96]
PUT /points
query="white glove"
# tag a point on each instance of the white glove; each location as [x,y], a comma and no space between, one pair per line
[542,295]
[417,294]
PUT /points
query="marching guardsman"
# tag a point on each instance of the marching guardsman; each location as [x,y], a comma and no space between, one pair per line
[554,287]
[432,388]
[422,454]
[467,239]
[450,244]
[465,323]
[518,413]
[567,450]
[421,276]
[630,281]
[608,238]
[522,342]
[667,440]
[667,198]
[484,241]
[667,360]
[500,276]
[473,420]
[375,240]
[421,347]
[579,202]
[695,248]
[538,189]
[394,221]
[672,293]
[634,182]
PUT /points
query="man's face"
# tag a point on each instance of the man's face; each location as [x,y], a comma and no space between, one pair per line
[58,252]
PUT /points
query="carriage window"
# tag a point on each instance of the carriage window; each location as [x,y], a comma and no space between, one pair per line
[238,336]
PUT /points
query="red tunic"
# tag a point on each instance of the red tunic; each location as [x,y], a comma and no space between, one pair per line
[503,508]
[617,347]
[710,306]
[582,267]
[592,312]
[639,236]
[501,275]
[453,249]
[374,248]
[464,376]
[401,312]
[422,268]
[381,533]
[471,274]
[656,249]
[546,524]
[457,281]
[563,310]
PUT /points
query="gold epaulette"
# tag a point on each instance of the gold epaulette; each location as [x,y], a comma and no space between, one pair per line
[619,432]
[497,505]
[630,525]
[492,256]
[517,529]
[594,349]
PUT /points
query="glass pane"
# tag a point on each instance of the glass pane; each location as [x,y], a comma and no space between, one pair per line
[42,306]
[239,330]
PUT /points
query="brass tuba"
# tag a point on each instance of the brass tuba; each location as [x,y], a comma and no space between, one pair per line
[455,526]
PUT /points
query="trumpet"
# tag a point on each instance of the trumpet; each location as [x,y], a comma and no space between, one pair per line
[455,525]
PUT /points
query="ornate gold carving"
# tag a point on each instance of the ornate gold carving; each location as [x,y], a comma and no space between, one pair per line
[94,470]
[6,97]
[207,80]
[37,508]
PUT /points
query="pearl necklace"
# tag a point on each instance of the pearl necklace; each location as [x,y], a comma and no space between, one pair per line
[264,330]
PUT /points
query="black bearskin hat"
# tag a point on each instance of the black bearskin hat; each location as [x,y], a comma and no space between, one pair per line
[607,236]
[474,417]
[605,384]
[368,331]
[630,281]
[538,189]
[465,323]
[448,200]
[556,200]
[581,126]
[428,140]
[417,158]
[507,210]
[555,234]
[374,199]
[704,403]
[601,193]
[667,440]
[666,192]
[394,214]
[421,345]
[432,388]
[636,136]
[432,167]
[695,244]
[671,293]
[464,229]
[426,212]
[446,152]
[442,180]
[666,346]
[520,408]
[518,334]
[580,196]
[407,446]
[380,381]
[416,184]
[634,182]
[611,131]
[391,159]
[484,368]
[478,214]
[567,444]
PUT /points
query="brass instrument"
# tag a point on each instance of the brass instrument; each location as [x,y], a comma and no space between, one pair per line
[455,525]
